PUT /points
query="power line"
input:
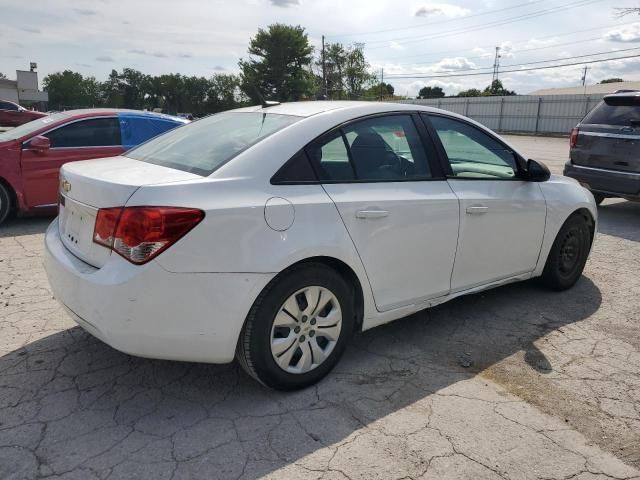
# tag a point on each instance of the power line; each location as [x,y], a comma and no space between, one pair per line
[487,12]
[546,67]
[526,63]
[538,38]
[539,13]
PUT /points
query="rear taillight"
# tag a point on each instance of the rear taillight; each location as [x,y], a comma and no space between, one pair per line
[573,140]
[141,233]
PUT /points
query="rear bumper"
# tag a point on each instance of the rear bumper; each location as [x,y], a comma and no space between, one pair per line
[150,312]
[608,182]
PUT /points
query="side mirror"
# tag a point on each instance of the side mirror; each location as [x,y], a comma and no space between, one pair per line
[39,144]
[537,172]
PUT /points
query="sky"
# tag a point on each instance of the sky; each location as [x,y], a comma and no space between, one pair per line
[442,41]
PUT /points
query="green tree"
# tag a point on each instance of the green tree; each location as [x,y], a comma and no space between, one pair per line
[612,80]
[431,92]
[496,88]
[223,93]
[280,67]
[472,92]
[2,76]
[69,89]
[356,71]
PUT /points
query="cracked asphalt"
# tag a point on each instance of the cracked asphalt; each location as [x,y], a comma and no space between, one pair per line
[514,383]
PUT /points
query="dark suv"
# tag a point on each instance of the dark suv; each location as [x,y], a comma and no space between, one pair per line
[605,148]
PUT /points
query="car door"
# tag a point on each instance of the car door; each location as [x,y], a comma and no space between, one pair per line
[502,216]
[78,140]
[399,210]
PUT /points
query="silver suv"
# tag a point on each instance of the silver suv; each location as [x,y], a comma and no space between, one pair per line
[605,148]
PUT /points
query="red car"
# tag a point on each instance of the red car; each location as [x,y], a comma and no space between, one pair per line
[31,155]
[12,114]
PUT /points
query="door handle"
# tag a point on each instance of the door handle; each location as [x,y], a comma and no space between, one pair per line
[372,214]
[477,209]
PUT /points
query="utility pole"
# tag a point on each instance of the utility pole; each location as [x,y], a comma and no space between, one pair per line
[584,79]
[584,76]
[382,84]
[496,65]
[324,73]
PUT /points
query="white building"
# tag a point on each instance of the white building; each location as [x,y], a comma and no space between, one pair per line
[24,90]
[600,88]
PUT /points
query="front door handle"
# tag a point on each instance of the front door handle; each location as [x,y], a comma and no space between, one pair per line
[372,214]
[477,209]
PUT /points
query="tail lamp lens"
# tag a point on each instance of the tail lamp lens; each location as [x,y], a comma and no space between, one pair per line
[573,140]
[141,233]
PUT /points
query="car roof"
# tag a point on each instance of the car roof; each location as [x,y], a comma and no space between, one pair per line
[100,112]
[309,108]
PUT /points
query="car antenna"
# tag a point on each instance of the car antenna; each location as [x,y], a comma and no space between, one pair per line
[263,102]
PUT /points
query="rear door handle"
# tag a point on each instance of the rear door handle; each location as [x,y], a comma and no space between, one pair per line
[372,214]
[477,209]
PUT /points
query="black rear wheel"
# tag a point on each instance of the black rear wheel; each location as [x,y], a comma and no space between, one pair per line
[568,254]
[298,327]
[5,203]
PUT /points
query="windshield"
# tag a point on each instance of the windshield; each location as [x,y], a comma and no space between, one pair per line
[203,146]
[32,126]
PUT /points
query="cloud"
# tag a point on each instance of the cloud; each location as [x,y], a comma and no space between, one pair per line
[85,11]
[284,3]
[219,68]
[396,46]
[626,34]
[185,55]
[139,51]
[29,28]
[441,10]
[457,63]
[104,58]
[16,44]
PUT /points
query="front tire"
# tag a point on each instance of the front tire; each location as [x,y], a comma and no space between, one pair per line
[298,328]
[568,254]
[5,203]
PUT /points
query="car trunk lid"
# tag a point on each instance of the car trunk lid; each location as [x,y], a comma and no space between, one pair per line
[87,186]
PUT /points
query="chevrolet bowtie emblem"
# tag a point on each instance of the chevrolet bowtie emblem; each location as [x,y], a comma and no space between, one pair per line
[66,186]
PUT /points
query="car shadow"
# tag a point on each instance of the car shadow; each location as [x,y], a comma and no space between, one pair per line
[17,227]
[620,218]
[102,408]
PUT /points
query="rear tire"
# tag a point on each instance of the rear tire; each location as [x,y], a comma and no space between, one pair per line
[5,203]
[599,198]
[287,342]
[568,254]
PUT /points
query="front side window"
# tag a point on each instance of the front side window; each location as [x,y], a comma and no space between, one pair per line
[472,153]
[376,149]
[93,132]
[202,147]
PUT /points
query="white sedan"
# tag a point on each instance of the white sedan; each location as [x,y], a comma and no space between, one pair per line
[273,233]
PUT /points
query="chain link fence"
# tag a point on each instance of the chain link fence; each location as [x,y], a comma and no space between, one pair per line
[536,115]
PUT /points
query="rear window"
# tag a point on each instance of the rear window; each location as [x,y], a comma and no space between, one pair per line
[203,146]
[621,115]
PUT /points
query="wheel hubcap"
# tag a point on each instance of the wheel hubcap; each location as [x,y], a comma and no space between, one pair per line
[569,252]
[306,329]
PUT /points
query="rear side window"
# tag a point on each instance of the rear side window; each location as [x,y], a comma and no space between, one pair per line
[621,115]
[8,106]
[137,130]
[204,146]
[93,132]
